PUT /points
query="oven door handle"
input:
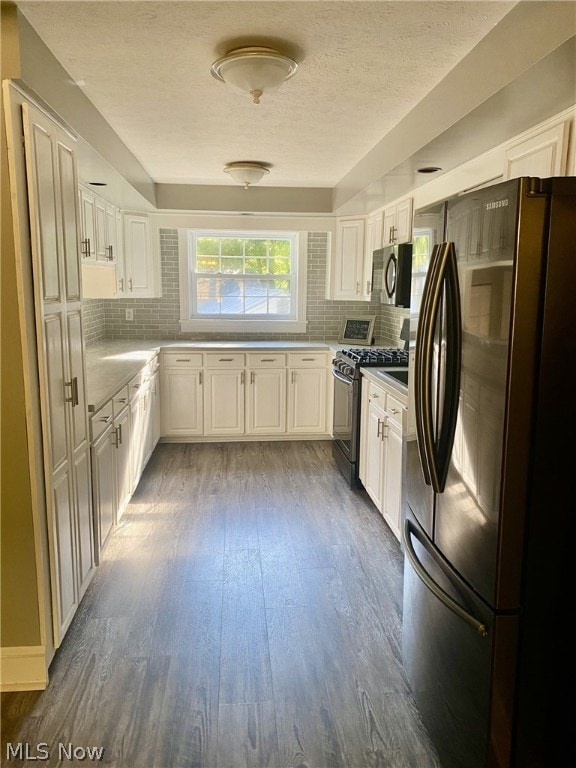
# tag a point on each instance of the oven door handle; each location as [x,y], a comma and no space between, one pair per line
[341,377]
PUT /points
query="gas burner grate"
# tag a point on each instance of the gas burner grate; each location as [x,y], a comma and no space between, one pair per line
[377,356]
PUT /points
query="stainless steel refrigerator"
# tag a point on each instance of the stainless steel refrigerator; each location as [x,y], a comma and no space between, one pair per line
[489,492]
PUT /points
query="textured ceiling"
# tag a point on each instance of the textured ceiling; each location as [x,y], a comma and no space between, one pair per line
[363,67]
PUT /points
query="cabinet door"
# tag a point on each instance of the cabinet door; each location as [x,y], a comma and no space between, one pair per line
[63,556]
[182,402]
[392,480]
[224,402]
[103,479]
[374,461]
[403,232]
[111,238]
[155,401]
[389,226]
[542,155]
[100,224]
[138,264]
[119,256]
[266,401]
[85,555]
[68,186]
[136,445]
[88,222]
[307,400]
[349,260]
[123,441]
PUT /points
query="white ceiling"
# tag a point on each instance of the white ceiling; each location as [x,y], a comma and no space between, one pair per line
[363,67]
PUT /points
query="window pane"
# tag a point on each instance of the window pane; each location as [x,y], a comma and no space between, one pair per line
[279,247]
[256,287]
[280,288]
[207,264]
[231,266]
[256,305]
[232,306]
[231,246]
[255,266]
[230,287]
[279,306]
[279,265]
[255,248]
[207,246]
[208,296]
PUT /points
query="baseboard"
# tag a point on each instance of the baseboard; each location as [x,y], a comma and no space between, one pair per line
[244,438]
[23,668]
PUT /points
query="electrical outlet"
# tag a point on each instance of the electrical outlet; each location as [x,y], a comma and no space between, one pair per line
[130,314]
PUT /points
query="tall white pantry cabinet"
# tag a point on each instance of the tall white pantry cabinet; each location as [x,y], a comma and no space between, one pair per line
[50,154]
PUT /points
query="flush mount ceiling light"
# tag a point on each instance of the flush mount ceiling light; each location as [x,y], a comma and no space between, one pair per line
[255,70]
[246,173]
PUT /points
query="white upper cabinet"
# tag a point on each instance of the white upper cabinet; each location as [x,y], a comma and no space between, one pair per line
[138,267]
[398,223]
[542,154]
[374,230]
[346,273]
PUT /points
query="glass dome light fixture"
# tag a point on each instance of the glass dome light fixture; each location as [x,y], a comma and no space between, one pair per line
[256,70]
[246,173]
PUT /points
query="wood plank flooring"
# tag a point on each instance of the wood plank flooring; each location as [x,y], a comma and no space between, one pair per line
[246,614]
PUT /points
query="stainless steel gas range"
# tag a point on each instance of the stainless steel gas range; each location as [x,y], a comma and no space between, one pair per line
[346,370]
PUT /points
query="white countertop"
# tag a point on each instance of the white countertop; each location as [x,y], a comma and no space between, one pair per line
[110,364]
[378,375]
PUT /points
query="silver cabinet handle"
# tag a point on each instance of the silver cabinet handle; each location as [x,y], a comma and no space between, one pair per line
[293,377]
[73,384]
[394,410]
[85,247]
[115,442]
[357,287]
[130,284]
[119,429]
[110,256]
[267,359]
[308,359]
[368,286]
[122,399]
[242,377]
[225,359]
[200,377]
[121,285]
[105,419]
[379,427]
[182,359]
[252,377]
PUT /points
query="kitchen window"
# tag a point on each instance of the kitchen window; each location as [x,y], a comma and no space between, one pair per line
[242,281]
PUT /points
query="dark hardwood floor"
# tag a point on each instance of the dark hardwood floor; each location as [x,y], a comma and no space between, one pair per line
[246,614]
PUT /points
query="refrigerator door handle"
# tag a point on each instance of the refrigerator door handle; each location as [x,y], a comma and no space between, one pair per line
[408,531]
[423,369]
[453,355]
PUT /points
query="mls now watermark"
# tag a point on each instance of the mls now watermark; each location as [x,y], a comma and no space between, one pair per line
[23,750]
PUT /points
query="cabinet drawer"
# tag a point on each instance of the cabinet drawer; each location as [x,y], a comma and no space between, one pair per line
[394,409]
[101,420]
[120,400]
[376,394]
[225,360]
[270,360]
[182,360]
[135,386]
[306,359]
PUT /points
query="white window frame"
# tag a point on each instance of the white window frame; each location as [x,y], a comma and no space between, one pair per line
[295,324]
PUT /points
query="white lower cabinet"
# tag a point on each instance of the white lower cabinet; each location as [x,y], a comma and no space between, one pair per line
[103,476]
[227,394]
[307,400]
[123,443]
[266,401]
[224,402]
[383,421]
[124,433]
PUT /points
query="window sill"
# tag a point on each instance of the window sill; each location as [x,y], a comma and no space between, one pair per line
[245,326]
